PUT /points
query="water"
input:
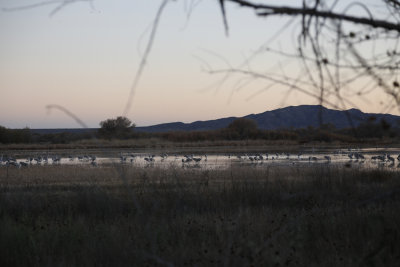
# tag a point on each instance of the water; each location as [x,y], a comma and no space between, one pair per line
[216,161]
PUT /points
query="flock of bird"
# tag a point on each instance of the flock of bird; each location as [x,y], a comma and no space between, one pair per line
[191,159]
[12,161]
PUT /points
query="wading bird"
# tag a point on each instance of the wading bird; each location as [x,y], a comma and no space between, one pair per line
[23,164]
[197,159]
[390,158]
[149,158]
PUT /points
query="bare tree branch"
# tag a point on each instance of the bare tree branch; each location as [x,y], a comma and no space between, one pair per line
[267,10]
[222,4]
[145,56]
[60,4]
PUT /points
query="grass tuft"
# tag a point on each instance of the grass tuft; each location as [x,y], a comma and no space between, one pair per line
[244,216]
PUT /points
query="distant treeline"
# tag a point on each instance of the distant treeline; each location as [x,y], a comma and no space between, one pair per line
[245,129]
[28,136]
[240,129]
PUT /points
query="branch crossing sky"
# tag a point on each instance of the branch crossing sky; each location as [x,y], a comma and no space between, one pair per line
[85,58]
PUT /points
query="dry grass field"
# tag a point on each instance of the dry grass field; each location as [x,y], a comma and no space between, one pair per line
[320,215]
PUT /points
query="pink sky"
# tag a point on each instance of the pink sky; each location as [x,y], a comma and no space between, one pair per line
[85,60]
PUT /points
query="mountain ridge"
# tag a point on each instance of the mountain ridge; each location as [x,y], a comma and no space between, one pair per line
[290,117]
[301,116]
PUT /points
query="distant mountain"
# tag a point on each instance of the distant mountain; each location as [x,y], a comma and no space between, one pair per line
[194,126]
[283,118]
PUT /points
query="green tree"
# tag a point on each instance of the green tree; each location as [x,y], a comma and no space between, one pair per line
[121,127]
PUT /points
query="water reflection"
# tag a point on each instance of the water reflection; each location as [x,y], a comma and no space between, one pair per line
[368,157]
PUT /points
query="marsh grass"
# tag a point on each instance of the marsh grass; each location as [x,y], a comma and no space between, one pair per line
[244,216]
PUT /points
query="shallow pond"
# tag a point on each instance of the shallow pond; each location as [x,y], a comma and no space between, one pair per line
[365,157]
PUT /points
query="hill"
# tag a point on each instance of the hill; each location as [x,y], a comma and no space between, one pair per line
[284,118]
[292,117]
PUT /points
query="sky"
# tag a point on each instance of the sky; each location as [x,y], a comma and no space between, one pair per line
[85,58]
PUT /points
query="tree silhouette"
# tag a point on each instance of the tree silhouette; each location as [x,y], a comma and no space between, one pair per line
[121,127]
[243,128]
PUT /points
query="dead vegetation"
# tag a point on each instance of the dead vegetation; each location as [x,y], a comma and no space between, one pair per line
[298,216]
